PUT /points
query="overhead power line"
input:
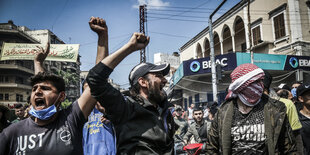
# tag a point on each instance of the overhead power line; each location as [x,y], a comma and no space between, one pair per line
[171,35]
[182,7]
[222,11]
[188,10]
[59,14]
[167,18]
[111,38]
[165,14]
[302,21]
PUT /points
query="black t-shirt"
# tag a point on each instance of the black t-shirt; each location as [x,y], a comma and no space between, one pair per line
[305,132]
[248,131]
[61,137]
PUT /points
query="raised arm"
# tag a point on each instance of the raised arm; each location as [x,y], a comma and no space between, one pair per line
[110,98]
[40,57]
[99,26]
[86,101]
[137,41]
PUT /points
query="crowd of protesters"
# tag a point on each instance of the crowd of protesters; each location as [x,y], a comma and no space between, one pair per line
[253,119]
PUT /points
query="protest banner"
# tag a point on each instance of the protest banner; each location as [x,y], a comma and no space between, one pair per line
[21,51]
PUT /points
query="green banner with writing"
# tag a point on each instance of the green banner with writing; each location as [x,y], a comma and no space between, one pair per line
[58,52]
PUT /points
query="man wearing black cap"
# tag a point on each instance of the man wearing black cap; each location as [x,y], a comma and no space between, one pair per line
[303,94]
[143,122]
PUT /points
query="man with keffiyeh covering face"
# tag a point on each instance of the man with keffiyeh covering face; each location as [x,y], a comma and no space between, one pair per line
[249,122]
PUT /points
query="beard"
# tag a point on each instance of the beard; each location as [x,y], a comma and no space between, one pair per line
[197,120]
[156,95]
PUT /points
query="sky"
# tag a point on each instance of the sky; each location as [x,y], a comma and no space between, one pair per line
[170,24]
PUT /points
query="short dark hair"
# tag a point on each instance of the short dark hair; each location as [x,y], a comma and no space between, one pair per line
[134,90]
[283,93]
[197,109]
[213,110]
[55,80]
[18,106]
[267,80]
[298,82]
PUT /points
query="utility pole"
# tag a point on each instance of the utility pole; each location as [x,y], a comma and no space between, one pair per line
[212,57]
[142,10]
[250,34]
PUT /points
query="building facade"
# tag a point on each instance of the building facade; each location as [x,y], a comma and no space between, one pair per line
[277,27]
[14,74]
[173,60]
[278,34]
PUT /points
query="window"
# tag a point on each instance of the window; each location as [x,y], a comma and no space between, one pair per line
[4,79]
[190,100]
[19,63]
[28,64]
[6,97]
[279,26]
[256,35]
[1,97]
[243,47]
[196,98]
[19,98]
[19,80]
[185,103]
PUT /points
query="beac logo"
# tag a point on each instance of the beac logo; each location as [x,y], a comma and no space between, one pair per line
[294,62]
[195,66]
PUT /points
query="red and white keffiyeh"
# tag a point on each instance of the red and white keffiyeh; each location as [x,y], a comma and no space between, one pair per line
[246,84]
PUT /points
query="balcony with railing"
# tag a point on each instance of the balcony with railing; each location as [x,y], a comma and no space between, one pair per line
[15,85]
[16,66]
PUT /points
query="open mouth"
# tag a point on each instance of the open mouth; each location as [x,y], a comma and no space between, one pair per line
[39,102]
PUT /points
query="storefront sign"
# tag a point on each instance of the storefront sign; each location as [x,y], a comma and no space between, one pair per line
[264,61]
[58,52]
[203,65]
[177,76]
[297,62]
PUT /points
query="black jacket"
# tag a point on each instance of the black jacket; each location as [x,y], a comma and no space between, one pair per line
[140,127]
[199,132]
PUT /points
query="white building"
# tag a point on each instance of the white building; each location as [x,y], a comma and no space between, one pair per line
[280,40]
[173,60]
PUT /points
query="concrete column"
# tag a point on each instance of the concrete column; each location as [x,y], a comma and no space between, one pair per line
[233,42]
[295,20]
[247,37]
[222,48]
[195,52]
[203,52]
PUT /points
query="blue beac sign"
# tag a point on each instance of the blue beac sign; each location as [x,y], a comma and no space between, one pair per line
[203,65]
[264,61]
[297,62]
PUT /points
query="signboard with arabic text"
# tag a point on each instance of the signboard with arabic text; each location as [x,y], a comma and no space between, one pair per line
[58,52]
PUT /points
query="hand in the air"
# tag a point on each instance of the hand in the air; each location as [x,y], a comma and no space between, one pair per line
[98,25]
[42,53]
